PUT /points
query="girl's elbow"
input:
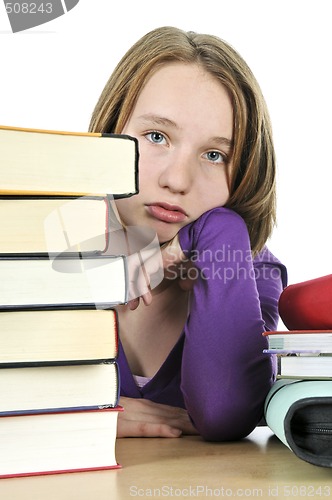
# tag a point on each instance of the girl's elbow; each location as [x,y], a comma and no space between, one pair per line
[227,425]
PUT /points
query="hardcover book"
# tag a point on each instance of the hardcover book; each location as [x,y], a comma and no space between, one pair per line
[30,280]
[54,443]
[305,366]
[32,388]
[307,305]
[58,334]
[319,341]
[50,163]
[53,225]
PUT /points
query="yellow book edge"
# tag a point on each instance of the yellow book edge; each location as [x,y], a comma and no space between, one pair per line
[55,132]
[43,131]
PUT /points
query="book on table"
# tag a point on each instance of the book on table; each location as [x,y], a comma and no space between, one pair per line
[298,407]
[59,379]
[43,163]
[54,443]
[59,282]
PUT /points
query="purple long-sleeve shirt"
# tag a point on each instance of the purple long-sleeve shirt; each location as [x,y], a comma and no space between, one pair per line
[217,369]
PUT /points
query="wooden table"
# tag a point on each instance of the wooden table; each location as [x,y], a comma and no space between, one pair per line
[257,467]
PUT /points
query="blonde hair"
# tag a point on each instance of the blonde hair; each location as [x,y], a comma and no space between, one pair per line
[253,175]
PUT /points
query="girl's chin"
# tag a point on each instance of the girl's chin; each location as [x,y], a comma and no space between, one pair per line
[164,237]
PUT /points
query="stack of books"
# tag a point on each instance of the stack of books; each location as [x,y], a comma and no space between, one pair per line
[304,351]
[59,284]
[298,407]
[302,354]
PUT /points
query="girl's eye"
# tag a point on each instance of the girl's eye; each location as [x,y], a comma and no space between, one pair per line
[155,137]
[215,157]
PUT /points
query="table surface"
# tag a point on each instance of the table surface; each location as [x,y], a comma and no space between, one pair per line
[259,466]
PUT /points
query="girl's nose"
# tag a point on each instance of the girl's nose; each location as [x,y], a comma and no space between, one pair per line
[177,174]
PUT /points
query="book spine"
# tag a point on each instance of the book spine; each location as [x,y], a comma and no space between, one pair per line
[61,306]
[71,362]
[55,411]
[59,409]
[136,161]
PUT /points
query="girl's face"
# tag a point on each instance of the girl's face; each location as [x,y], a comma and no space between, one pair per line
[183,120]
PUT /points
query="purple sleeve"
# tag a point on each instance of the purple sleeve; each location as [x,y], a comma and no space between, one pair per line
[225,375]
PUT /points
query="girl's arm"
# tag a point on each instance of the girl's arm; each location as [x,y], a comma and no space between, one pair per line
[225,375]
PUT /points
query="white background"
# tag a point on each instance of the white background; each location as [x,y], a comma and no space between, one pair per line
[51,77]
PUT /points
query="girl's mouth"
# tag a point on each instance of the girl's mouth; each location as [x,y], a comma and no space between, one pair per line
[165,212]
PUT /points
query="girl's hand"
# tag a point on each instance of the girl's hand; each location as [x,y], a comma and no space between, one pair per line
[145,271]
[177,265]
[144,418]
[148,268]
[171,253]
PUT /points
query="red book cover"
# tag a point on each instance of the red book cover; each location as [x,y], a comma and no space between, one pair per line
[307,305]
